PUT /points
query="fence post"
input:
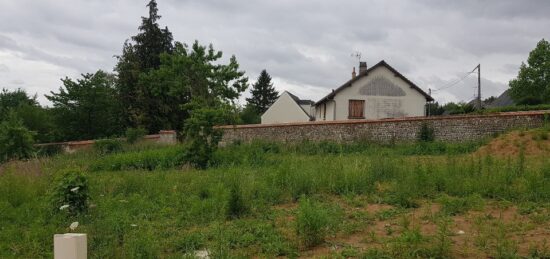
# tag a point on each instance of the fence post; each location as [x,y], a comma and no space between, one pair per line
[70,246]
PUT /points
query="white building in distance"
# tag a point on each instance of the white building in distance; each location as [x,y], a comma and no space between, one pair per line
[375,93]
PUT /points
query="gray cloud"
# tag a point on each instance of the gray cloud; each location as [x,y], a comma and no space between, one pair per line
[17,82]
[306,44]
[4,68]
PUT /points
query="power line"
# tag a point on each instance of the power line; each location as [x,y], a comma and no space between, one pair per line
[449,85]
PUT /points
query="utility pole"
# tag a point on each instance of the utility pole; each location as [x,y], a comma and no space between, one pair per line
[479,86]
[429,103]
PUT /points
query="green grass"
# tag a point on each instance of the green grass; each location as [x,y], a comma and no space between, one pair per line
[146,203]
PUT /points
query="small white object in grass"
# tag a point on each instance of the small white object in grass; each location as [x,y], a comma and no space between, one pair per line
[64,207]
[123,201]
[460,232]
[202,254]
[73,225]
[75,189]
[133,225]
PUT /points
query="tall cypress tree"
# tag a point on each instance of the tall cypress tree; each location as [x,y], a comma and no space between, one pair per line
[152,40]
[263,93]
[140,56]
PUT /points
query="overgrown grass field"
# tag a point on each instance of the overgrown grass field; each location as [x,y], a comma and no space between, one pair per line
[265,200]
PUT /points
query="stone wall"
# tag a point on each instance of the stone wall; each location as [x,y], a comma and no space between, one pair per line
[166,137]
[446,128]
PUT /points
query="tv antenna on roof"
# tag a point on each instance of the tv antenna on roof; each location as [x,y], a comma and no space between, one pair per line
[356,55]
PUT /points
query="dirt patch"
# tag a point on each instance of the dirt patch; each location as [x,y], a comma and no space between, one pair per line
[531,143]
[474,234]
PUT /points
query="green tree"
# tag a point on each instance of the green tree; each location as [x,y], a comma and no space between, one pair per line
[35,117]
[191,74]
[263,93]
[16,141]
[87,108]
[140,56]
[10,100]
[532,85]
[458,108]
[249,115]
[194,91]
[200,133]
[434,109]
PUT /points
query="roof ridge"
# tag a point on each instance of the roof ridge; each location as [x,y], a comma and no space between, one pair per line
[360,75]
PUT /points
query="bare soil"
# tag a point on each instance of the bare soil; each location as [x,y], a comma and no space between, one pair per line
[531,143]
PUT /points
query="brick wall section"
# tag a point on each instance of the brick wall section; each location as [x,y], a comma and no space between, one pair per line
[446,128]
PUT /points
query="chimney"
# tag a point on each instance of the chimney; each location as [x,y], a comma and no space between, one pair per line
[353,74]
[362,67]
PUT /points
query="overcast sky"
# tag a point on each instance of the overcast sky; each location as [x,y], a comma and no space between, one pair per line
[305,45]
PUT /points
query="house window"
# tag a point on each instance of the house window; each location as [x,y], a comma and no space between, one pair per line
[356,109]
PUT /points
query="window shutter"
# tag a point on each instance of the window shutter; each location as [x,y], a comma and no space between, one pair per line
[356,108]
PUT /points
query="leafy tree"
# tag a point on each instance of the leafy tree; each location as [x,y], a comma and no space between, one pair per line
[16,141]
[191,74]
[532,85]
[34,117]
[138,57]
[193,88]
[459,108]
[249,115]
[87,108]
[263,93]
[13,99]
[434,109]
[203,138]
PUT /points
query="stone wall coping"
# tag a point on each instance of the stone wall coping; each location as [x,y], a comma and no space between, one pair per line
[90,142]
[404,119]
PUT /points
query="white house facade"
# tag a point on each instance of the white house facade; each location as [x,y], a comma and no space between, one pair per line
[375,93]
[288,108]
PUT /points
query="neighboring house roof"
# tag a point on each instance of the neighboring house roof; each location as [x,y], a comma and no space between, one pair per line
[300,102]
[379,64]
[503,100]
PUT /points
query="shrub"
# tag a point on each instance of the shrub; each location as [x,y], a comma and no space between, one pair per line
[16,141]
[70,193]
[107,146]
[426,133]
[312,222]
[200,132]
[151,159]
[133,135]
[236,206]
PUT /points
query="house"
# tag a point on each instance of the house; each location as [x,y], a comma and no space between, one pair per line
[288,108]
[375,93]
[502,101]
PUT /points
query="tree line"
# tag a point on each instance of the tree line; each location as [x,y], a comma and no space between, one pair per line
[158,83]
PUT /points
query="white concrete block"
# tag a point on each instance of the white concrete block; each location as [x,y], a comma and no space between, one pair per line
[70,246]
